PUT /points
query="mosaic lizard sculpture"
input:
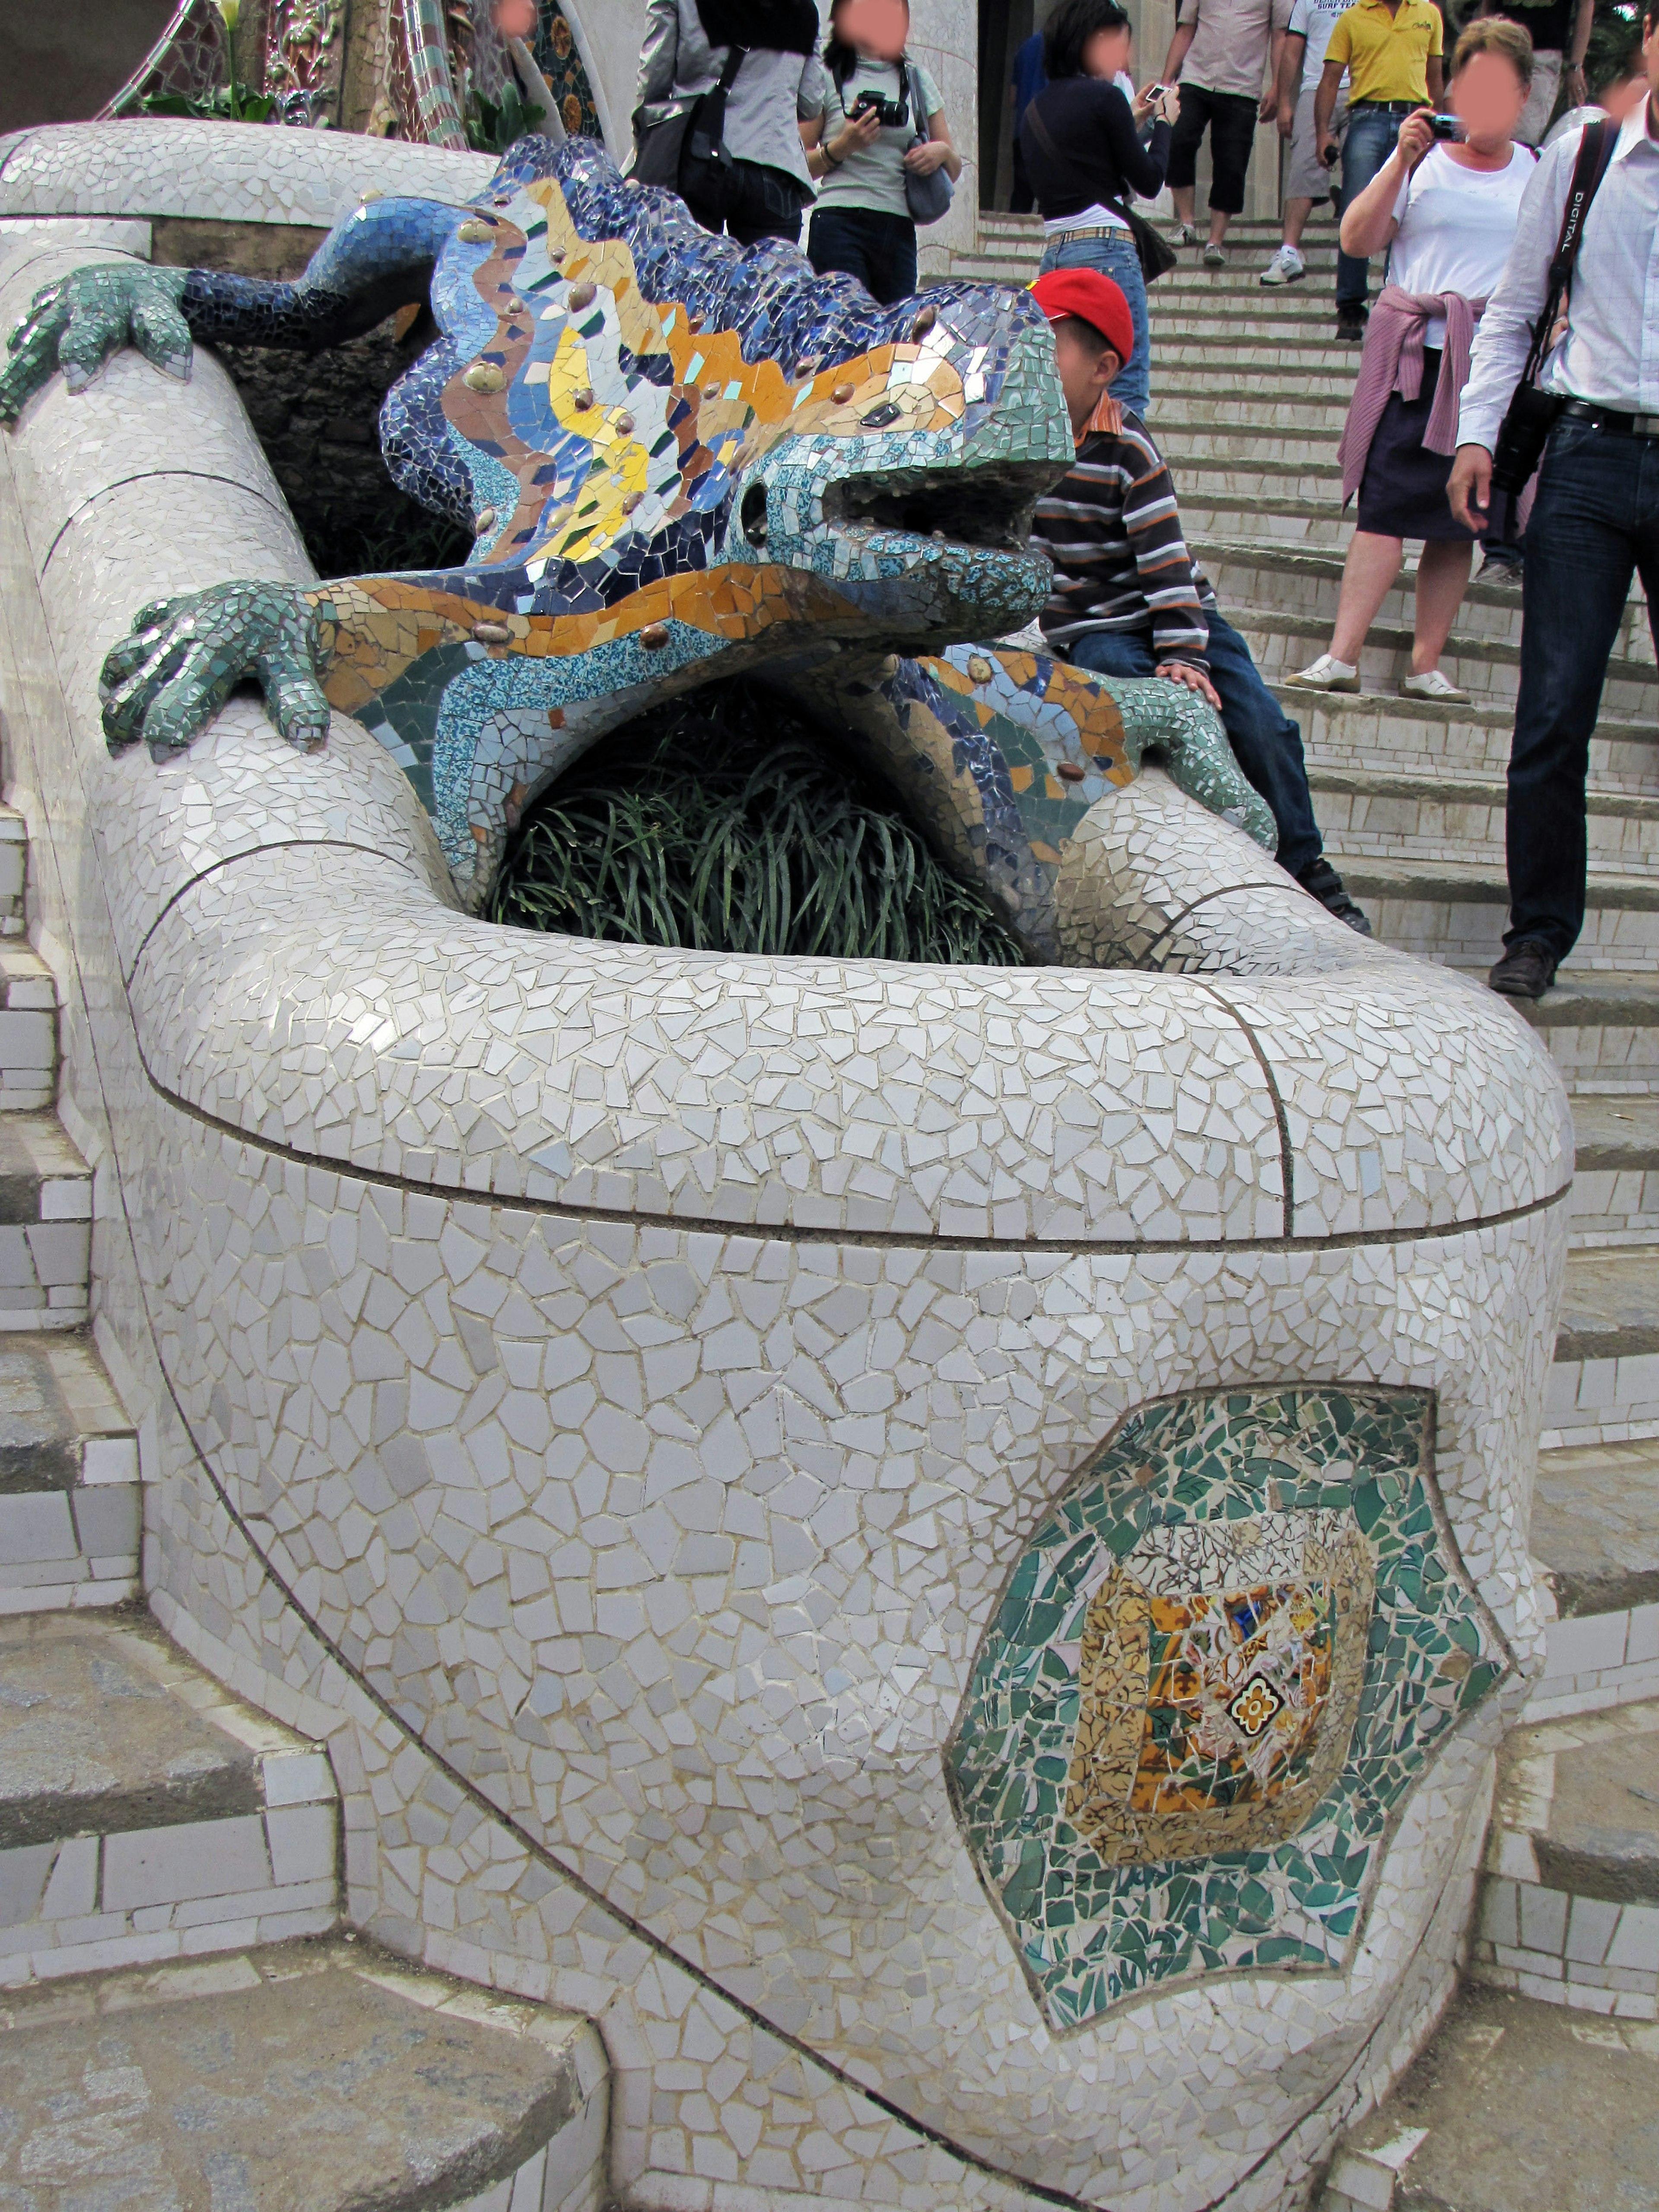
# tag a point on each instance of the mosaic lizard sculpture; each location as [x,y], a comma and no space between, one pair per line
[679,459]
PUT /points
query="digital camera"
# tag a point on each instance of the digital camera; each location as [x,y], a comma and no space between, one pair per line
[892,114]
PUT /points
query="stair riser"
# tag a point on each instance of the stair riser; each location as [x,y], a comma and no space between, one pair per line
[1202,371]
[1586,1953]
[1334,366]
[14,868]
[1396,736]
[1398,827]
[1273,322]
[1615,1206]
[1201,477]
[1300,532]
[1281,645]
[1183,438]
[78,1546]
[1468,933]
[1204,408]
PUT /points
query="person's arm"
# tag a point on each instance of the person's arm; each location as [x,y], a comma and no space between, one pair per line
[1269,108]
[1292,54]
[1583,23]
[1141,167]
[1436,78]
[1330,84]
[938,153]
[1368,221]
[1185,31]
[660,53]
[1504,337]
[1152,523]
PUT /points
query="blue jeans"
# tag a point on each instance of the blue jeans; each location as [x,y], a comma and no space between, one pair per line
[1114,256]
[1372,134]
[1594,519]
[1266,743]
[878,249]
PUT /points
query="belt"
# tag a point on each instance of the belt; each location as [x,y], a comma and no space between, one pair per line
[1612,418]
[1094,230]
[1388,106]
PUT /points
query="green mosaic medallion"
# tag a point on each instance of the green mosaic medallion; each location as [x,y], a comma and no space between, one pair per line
[1216,1672]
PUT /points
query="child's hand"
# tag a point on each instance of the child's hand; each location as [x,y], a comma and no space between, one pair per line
[1182,671]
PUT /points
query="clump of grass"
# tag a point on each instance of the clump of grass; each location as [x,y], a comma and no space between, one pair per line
[724,824]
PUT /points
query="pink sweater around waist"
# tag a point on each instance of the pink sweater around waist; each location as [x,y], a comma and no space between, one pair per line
[1392,360]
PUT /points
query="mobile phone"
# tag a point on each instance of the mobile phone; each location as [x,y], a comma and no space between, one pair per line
[1447,126]
[1331,156]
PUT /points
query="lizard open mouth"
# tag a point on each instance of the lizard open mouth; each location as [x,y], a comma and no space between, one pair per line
[988,507]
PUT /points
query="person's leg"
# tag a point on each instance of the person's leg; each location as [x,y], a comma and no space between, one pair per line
[1296,212]
[1021,198]
[1267,742]
[1115,653]
[1368,144]
[1117,256]
[836,245]
[1442,577]
[896,258]
[1581,551]
[1184,142]
[1232,135]
[1368,576]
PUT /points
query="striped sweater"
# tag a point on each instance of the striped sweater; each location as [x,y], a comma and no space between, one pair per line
[1112,531]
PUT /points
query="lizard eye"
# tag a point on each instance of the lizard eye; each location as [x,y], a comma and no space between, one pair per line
[752,514]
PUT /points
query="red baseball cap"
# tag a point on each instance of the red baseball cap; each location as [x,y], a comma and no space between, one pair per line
[1093,299]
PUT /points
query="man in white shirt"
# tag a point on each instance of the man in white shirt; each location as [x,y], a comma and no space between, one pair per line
[1596,517]
[1307,177]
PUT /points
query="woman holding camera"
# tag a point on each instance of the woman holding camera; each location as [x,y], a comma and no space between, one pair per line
[1445,205]
[882,120]
[1084,157]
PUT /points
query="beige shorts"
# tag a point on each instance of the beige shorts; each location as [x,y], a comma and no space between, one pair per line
[1306,177]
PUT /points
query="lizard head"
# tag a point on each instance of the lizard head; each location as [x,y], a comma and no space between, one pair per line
[619,398]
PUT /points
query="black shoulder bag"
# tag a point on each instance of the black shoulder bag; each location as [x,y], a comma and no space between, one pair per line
[681,144]
[1156,255]
[1531,413]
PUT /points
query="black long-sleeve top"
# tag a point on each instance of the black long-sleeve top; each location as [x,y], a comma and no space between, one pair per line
[1097,155]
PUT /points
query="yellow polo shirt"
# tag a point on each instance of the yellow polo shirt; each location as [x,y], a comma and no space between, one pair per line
[1386,51]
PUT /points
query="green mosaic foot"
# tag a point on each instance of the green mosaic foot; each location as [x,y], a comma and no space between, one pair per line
[1189,739]
[78,322]
[165,682]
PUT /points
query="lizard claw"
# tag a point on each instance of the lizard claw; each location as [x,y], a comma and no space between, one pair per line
[164,682]
[78,322]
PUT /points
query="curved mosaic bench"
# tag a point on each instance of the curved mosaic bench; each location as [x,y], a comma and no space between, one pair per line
[942,1550]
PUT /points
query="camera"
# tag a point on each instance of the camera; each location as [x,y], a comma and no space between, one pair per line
[1447,126]
[892,114]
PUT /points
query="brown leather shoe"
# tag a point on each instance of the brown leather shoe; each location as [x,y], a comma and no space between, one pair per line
[1526,970]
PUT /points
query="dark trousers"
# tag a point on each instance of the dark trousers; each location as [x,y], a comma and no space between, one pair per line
[1595,521]
[1371,138]
[1021,198]
[1266,743]
[1230,118]
[756,203]
[879,250]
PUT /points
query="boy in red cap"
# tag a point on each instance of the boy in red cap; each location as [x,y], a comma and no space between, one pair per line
[1127,599]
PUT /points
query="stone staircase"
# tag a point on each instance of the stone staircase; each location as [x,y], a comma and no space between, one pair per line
[185,2019]
[1248,397]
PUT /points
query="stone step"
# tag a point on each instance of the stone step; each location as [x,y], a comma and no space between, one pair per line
[1184,437]
[1603,1385]
[1313,479]
[1385,814]
[1487,668]
[145,1815]
[45,1224]
[1513,2105]
[1460,741]
[332,2076]
[1273,322]
[1570,1903]
[1456,912]
[1595,1535]
[1188,367]
[1268,519]
[1602,1028]
[1236,405]
[29,1024]
[1311,353]
[70,1507]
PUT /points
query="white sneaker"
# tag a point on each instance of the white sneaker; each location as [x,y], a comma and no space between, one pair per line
[1286,267]
[1216,257]
[1325,674]
[1187,234]
[1433,686]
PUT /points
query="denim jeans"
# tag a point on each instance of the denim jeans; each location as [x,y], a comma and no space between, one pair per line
[1372,134]
[1114,254]
[1266,743]
[1594,519]
[879,250]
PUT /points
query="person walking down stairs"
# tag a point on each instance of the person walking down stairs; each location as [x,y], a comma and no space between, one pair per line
[1447,213]
[1225,55]
[1127,597]
[1595,519]
[1308,177]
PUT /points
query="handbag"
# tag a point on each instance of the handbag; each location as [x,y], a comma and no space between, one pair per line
[1154,252]
[673,136]
[1531,413]
[927,197]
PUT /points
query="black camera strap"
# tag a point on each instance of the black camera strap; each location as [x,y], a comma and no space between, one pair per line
[1595,151]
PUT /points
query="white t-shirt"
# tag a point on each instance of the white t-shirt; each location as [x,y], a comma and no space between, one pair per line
[1314,20]
[1457,227]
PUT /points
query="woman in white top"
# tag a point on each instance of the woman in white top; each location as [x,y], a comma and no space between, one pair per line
[1446,210]
[882,120]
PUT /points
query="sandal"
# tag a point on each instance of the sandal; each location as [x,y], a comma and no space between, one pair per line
[1435,685]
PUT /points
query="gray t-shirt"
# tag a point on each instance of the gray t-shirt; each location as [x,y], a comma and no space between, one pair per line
[1228,52]
[773,94]
[874,176]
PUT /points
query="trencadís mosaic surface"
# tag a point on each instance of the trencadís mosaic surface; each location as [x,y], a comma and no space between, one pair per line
[678,461]
[1217,1669]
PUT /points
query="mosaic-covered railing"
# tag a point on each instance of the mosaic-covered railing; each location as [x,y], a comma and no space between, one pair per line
[943,1550]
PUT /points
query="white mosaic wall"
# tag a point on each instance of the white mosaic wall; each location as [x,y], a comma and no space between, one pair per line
[602,1392]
